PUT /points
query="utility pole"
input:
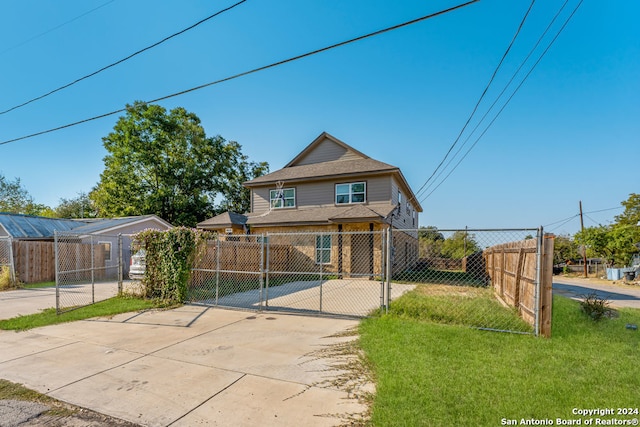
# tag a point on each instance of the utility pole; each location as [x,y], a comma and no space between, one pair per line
[584,247]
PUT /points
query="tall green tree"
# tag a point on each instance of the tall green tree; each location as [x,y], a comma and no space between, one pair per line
[77,207]
[163,163]
[14,198]
[564,249]
[459,245]
[430,241]
[631,214]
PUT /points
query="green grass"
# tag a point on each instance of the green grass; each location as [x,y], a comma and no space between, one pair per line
[462,305]
[438,277]
[110,307]
[434,374]
[38,285]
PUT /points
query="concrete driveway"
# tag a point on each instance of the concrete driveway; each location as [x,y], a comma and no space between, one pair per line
[189,366]
[29,301]
[619,295]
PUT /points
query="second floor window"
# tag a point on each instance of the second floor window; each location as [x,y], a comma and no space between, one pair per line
[285,198]
[354,192]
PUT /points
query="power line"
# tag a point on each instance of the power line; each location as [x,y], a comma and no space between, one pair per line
[123,59]
[484,92]
[566,220]
[533,49]
[509,99]
[562,220]
[593,220]
[55,28]
[608,209]
[564,223]
[255,70]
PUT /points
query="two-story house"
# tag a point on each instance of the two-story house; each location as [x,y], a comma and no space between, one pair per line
[330,187]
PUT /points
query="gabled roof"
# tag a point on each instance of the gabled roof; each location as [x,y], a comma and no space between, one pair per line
[323,171]
[21,226]
[226,219]
[329,158]
[321,139]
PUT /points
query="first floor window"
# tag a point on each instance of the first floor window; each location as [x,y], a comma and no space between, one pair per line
[284,198]
[323,249]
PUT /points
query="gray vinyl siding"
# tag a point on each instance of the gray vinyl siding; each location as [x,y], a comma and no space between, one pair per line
[261,199]
[327,151]
[405,218]
[322,193]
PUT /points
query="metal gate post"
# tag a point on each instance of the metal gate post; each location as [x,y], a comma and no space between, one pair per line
[266,287]
[321,256]
[55,252]
[93,288]
[388,271]
[539,243]
[383,267]
[262,270]
[217,268]
[120,264]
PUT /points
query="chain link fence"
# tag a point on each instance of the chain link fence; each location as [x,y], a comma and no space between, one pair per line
[487,279]
[88,269]
[328,273]
[7,270]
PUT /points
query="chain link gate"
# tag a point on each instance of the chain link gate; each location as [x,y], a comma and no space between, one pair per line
[328,273]
[88,269]
[7,269]
[488,279]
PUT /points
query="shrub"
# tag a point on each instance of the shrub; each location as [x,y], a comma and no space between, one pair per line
[595,307]
[5,278]
[169,258]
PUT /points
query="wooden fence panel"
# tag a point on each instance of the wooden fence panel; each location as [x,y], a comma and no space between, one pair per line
[512,268]
[34,261]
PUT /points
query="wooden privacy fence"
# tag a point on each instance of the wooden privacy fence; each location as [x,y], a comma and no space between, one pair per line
[515,272]
[34,261]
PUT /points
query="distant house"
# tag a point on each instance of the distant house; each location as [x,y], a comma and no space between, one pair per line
[329,187]
[23,229]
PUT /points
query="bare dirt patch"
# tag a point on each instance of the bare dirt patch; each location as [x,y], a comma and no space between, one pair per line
[21,407]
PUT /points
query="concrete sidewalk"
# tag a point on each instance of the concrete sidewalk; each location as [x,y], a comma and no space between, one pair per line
[189,366]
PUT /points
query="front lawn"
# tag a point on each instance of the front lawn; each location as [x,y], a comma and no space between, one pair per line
[109,307]
[432,374]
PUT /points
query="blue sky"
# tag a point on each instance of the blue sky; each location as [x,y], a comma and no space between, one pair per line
[570,133]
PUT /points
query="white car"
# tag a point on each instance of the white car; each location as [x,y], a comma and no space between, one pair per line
[138,265]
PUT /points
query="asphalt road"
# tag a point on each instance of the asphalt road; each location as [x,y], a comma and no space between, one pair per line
[617,293]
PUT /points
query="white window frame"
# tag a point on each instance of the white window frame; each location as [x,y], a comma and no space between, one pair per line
[276,203]
[322,250]
[351,193]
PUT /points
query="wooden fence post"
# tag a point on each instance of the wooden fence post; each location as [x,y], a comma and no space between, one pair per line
[546,283]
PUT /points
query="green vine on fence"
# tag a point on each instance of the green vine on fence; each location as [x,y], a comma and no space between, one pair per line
[169,258]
